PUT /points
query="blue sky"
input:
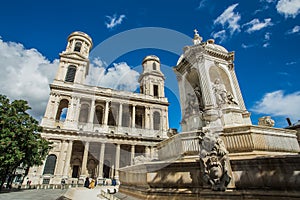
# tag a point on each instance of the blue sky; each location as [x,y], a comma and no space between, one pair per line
[265,35]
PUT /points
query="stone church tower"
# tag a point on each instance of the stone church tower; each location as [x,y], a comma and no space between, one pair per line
[209,91]
[152,80]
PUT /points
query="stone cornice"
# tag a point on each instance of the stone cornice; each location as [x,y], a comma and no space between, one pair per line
[54,133]
[78,90]
[258,129]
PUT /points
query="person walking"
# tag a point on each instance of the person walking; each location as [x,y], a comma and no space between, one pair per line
[92,184]
[63,183]
[87,182]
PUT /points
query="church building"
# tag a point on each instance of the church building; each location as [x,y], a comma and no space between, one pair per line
[94,130]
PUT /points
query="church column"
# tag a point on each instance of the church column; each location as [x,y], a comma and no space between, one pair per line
[101,160]
[68,159]
[117,161]
[132,154]
[147,152]
[120,114]
[84,159]
[106,111]
[133,116]
[61,159]
[77,110]
[50,107]
[147,117]
[92,112]
[151,152]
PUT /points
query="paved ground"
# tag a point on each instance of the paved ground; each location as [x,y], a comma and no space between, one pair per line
[32,194]
[79,193]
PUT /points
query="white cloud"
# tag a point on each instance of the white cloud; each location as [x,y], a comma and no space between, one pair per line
[291,63]
[267,36]
[230,19]
[256,25]
[202,4]
[265,45]
[268,1]
[26,74]
[120,76]
[220,35]
[288,8]
[114,21]
[279,104]
[245,46]
[296,29]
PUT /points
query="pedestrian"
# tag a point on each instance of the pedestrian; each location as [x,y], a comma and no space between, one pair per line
[87,182]
[63,183]
[92,184]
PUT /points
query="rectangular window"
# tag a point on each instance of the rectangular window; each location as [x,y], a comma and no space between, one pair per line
[155,90]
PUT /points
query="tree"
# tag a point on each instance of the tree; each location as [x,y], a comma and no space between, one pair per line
[20,139]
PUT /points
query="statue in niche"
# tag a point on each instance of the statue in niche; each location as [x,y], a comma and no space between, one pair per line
[199,97]
[221,94]
[192,105]
[231,99]
[214,161]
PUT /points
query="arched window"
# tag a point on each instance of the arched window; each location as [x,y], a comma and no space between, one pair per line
[154,66]
[62,110]
[70,76]
[77,46]
[156,120]
[84,113]
[50,164]
[98,118]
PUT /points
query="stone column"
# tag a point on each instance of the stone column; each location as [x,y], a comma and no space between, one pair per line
[92,112]
[106,111]
[132,154]
[117,161]
[68,159]
[84,159]
[120,114]
[77,111]
[151,152]
[147,117]
[101,160]
[147,152]
[61,159]
[133,116]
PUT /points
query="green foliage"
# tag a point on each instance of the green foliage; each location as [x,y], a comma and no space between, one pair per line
[20,139]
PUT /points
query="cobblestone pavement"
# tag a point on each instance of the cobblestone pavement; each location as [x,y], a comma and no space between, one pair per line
[32,194]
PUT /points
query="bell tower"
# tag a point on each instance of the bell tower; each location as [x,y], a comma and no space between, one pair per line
[74,61]
[152,80]
[210,95]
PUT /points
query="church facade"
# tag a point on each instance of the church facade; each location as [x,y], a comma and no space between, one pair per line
[95,131]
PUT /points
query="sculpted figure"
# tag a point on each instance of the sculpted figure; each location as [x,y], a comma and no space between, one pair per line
[214,162]
[220,92]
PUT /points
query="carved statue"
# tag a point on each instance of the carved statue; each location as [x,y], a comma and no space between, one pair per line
[192,105]
[214,162]
[199,97]
[266,121]
[140,159]
[231,99]
[220,92]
